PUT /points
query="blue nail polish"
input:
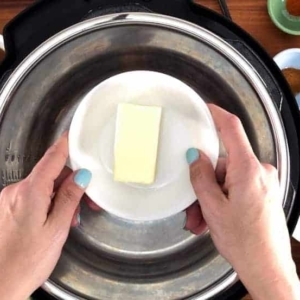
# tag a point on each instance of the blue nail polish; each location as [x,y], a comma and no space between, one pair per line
[78,219]
[83,178]
[192,155]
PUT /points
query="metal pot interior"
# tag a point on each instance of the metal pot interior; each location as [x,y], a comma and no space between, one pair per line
[106,256]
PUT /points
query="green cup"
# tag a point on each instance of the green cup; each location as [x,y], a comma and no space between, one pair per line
[282,19]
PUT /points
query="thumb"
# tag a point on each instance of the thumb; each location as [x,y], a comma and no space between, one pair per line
[203,178]
[68,197]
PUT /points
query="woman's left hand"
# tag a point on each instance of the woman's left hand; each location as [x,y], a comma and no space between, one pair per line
[35,219]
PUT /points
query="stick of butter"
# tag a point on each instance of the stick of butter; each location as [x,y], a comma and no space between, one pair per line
[136,143]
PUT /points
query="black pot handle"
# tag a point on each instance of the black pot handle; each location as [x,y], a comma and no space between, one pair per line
[225,9]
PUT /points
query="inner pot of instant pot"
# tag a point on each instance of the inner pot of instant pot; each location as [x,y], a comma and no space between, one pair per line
[107,257]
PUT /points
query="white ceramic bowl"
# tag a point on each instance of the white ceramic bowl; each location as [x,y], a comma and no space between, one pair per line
[289,58]
[186,122]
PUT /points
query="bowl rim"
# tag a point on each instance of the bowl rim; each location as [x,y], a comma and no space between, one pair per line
[286,52]
[278,24]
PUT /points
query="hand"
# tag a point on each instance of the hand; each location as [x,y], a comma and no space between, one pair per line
[243,211]
[35,219]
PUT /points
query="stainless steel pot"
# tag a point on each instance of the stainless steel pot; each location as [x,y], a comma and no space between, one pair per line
[107,257]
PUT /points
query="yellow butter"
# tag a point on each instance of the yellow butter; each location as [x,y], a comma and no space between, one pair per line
[136,143]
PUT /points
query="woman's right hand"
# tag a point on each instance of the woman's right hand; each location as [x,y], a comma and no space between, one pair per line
[35,218]
[243,211]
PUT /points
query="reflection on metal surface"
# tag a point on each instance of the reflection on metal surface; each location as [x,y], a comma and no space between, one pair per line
[2,49]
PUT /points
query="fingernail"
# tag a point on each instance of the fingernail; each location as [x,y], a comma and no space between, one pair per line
[192,155]
[78,219]
[83,178]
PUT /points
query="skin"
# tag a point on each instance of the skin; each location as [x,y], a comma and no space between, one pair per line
[239,203]
[242,208]
[37,214]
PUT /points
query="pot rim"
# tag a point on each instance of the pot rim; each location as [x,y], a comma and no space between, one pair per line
[130,18]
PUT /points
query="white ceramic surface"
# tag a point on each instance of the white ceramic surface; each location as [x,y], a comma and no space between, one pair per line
[289,58]
[186,122]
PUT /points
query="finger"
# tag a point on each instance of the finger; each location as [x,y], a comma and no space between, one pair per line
[200,229]
[52,163]
[221,170]
[203,178]
[232,134]
[193,216]
[271,171]
[92,205]
[76,217]
[66,172]
[68,197]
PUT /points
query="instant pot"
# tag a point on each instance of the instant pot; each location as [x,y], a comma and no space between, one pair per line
[58,50]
